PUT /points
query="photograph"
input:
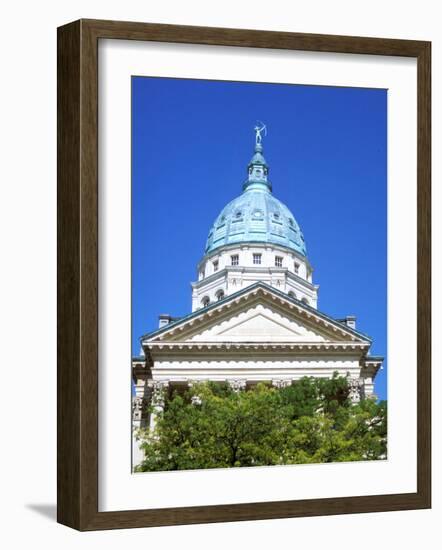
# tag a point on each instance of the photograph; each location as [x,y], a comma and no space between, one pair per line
[218,226]
[259,274]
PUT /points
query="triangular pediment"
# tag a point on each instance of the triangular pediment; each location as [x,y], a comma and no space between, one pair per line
[259,323]
[257,314]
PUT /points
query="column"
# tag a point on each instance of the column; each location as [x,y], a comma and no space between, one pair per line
[139,405]
[158,389]
[368,387]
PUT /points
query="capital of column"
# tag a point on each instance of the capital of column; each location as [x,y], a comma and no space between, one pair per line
[195,399]
[354,389]
[138,406]
[158,389]
[237,384]
[283,383]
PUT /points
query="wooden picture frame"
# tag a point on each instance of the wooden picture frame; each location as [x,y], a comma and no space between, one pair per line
[78,274]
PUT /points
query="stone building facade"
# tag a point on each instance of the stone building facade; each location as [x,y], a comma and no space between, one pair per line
[255,314]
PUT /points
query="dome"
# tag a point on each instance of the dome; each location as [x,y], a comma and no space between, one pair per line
[256,216]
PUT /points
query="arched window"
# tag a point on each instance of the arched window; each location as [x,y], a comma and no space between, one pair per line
[304,300]
[219,295]
[205,301]
[291,294]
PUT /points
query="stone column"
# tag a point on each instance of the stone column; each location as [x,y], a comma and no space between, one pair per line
[139,398]
[158,389]
[368,388]
[138,408]
[139,405]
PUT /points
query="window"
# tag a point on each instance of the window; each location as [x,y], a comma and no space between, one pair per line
[205,301]
[296,267]
[304,301]
[257,258]
[278,261]
[291,294]
[234,260]
[219,295]
[215,265]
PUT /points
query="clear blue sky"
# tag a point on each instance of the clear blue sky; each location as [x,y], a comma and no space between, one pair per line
[327,151]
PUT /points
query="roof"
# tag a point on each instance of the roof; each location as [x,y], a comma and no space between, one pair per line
[256,216]
[249,289]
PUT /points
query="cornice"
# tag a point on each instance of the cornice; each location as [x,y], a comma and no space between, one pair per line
[254,244]
[252,269]
[304,348]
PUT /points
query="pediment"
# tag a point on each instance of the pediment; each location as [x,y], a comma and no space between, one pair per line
[258,315]
[257,324]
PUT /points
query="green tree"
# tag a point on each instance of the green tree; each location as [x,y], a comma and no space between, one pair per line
[311,421]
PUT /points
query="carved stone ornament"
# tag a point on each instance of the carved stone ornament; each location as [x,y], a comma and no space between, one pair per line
[354,387]
[281,383]
[237,385]
[138,405]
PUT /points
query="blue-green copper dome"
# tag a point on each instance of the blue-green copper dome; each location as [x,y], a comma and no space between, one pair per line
[256,216]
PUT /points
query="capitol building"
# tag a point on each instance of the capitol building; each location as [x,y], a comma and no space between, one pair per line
[255,315]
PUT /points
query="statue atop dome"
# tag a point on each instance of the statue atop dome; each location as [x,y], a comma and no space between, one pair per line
[257,216]
[259,128]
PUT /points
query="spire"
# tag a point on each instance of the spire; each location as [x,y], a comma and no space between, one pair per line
[258,168]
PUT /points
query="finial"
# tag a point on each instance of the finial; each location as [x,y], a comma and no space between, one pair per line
[257,168]
[259,129]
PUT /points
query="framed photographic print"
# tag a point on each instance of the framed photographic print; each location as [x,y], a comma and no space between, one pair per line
[243,275]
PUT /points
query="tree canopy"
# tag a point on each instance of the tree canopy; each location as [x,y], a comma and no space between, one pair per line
[311,421]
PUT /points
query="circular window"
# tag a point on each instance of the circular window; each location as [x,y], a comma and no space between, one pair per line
[238,214]
[276,215]
[257,214]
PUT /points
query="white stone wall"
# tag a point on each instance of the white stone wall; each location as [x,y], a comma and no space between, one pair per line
[228,279]
[261,369]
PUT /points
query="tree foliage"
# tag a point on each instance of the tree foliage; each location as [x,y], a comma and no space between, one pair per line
[311,421]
